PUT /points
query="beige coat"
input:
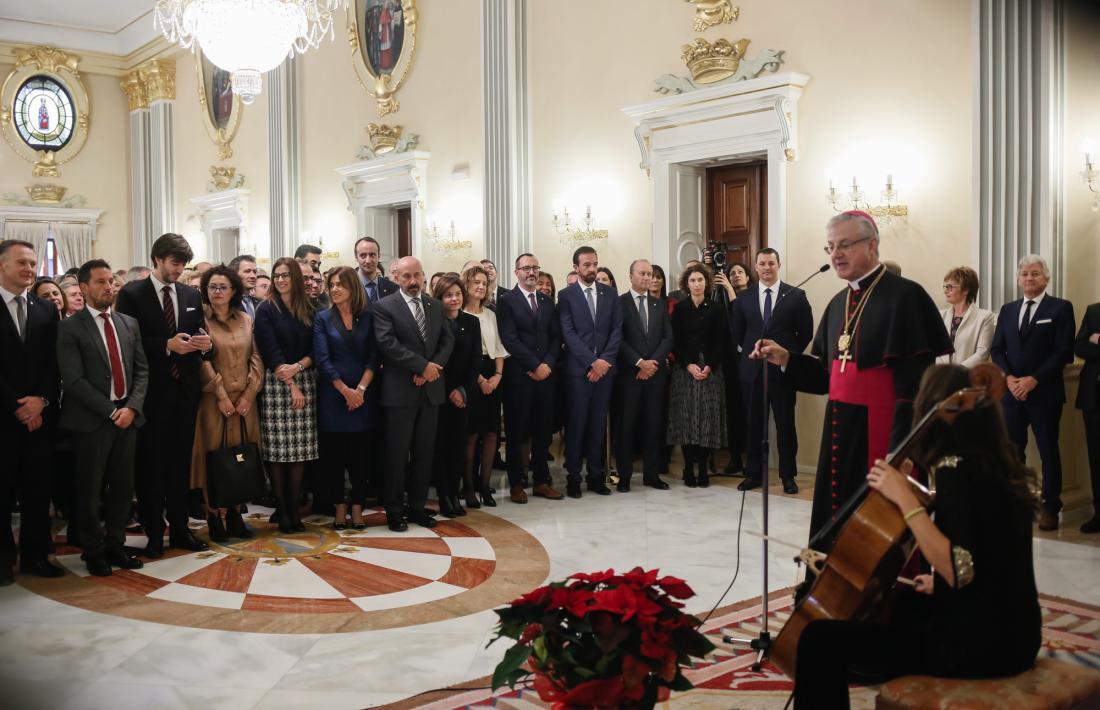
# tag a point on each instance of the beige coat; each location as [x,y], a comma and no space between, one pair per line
[973,339]
[236,371]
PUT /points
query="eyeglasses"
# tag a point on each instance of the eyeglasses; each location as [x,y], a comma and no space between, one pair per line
[216,288]
[950,287]
[529,269]
[843,247]
[281,277]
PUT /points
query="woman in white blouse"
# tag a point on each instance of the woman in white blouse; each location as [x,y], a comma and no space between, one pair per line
[971,328]
[484,402]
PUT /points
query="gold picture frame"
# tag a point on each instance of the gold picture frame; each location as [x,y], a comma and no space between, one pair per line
[382,34]
[61,68]
[220,107]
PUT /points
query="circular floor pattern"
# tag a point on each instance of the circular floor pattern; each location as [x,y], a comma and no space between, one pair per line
[317,581]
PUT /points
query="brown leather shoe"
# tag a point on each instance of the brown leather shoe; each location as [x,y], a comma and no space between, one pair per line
[1048,521]
[545,490]
[518,495]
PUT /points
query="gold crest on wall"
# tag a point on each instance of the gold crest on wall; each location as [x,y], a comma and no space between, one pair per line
[220,107]
[382,34]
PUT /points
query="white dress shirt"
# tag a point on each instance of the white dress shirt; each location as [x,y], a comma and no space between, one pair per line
[527,295]
[103,336]
[158,286]
[13,307]
[775,294]
[1023,308]
[412,308]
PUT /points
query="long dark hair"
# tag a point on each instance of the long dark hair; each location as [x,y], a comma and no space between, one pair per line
[981,432]
[658,271]
[300,305]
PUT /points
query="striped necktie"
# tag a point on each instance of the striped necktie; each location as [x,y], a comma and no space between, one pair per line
[418,314]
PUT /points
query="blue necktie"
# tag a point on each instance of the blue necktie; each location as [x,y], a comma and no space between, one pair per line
[372,291]
[767,305]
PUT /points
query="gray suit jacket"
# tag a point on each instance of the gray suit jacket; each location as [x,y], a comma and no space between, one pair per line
[86,370]
[405,353]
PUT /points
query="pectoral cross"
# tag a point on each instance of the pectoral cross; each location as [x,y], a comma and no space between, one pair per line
[844,357]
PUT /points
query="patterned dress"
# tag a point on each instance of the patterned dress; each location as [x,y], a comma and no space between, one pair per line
[697,408]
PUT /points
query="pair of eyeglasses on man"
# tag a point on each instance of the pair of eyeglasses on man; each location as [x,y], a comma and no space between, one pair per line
[842,247]
[530,269]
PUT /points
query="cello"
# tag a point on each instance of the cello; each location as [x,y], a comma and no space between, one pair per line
[854,579]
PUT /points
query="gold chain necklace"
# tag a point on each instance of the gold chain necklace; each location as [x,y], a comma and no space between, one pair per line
[851,321]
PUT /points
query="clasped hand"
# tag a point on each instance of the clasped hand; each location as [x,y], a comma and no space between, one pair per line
[598,369]
[1021,387]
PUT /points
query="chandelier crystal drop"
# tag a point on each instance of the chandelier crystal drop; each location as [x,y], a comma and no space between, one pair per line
[247,37]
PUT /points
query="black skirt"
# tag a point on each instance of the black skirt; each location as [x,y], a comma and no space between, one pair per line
[485,409]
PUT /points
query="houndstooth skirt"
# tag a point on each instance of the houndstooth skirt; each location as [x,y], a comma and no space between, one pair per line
[697,410]
[288,435]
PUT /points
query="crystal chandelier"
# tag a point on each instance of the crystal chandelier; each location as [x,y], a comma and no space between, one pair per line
[247,37]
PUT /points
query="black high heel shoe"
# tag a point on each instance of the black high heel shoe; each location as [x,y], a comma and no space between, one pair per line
[457,506]
[235,526]
[216,528]
[360,525]
[487,498]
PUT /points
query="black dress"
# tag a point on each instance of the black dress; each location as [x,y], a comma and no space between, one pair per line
[460,372]
[698,407]
[989,626]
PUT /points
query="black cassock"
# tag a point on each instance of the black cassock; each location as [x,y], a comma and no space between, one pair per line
[870,407]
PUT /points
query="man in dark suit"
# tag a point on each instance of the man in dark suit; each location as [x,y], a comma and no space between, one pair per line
[173,334]
[376,285]
[245,266]
[495,289]
[591,327]
[103,366]
[1032,344]
[415,343]
[642,380]
[1087,347]
[28,390]
[780,312]
[529,332]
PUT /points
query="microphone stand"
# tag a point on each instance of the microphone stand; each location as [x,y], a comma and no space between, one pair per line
[763,642]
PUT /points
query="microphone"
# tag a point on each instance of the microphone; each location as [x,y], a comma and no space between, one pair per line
[803,282]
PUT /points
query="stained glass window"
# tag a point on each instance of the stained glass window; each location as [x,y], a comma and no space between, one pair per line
[43,113]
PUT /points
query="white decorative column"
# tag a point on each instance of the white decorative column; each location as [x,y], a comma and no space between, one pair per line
[151,92]
[507,132]
[283,128]
[1018,197]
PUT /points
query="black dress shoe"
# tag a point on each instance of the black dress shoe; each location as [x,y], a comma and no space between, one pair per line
[446,509]
[456,506]
[656,483]
[7,577]
[472,502]
[1091,526]
[42,568]
[573,490]
[599,489]
[235,525]
[622,487]
[704,479]
[733,468]
[187,541]
[789,486]
[155,549]
[396,522]
[748,484]
[689,478]
[422,519]
[98,567]
[120,559]
[216,528]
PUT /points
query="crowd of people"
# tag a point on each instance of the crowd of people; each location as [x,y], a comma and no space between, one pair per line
[355,386]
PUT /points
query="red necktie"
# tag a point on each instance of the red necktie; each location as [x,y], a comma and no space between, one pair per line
[118,384]
[170,325]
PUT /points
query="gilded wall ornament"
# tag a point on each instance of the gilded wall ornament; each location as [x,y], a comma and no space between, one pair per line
[224,178]
[767,60]
[382,34]
[152,81]
[45,194]
[710,62]
[220,107]
[383,140]
[44,108]
[709,13]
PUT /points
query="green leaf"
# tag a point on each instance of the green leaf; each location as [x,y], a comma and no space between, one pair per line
[680,682]
[507,671]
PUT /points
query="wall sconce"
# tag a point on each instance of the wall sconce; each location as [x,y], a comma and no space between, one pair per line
[570,233]
[856,201]
[1090,177]
[448,242]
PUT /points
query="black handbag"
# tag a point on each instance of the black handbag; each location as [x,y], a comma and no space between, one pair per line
[234,474]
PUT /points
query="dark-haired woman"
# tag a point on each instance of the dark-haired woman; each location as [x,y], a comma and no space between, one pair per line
[47,290]
[231,381]
[697,402]
[460,374]
[288,409]
[980,618]
[604,276]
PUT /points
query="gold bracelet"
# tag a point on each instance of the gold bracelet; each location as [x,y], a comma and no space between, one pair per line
[914,513]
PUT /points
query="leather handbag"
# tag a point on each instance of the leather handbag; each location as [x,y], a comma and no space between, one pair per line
[234,474]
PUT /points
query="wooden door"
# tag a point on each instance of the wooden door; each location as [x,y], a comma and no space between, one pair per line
[404,231]
[737,211]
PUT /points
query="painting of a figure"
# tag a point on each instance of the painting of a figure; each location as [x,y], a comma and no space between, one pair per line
[219,93]
[382,34]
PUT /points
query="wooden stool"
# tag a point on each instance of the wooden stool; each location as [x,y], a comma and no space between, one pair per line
[1049,684]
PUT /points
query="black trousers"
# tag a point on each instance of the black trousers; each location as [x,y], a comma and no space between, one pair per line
[104,462]
[529,411]
[341,451]
[163,473]
[640,419]
[1092,439]
[1044,417]
[27,475]
[450,449]
[410,435]
[781,400]
[736,422]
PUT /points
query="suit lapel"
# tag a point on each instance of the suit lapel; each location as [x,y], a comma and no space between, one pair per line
[9,323]
[406,312]
[93,332]
[125,346]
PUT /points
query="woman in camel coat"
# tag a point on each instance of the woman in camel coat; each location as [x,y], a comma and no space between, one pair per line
[231,380]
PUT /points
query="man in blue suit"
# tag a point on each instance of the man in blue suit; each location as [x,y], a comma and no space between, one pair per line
[1033,343]
[529,332]
[591,326]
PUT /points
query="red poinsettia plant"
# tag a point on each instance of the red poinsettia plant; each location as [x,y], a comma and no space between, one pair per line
[603,640]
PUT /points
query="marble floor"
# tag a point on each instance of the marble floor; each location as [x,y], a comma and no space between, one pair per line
[56,654]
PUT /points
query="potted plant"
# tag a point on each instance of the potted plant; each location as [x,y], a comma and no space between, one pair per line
[603,640]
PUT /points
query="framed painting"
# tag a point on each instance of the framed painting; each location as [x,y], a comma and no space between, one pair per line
[221,108]
[382,34]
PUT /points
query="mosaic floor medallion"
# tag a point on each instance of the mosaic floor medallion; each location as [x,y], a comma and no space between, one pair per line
[317,581]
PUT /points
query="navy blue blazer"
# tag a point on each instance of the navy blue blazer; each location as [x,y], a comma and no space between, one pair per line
[531,339]
[791,325]
[1046,350]
[281,338]
[342,355]
[585,341]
